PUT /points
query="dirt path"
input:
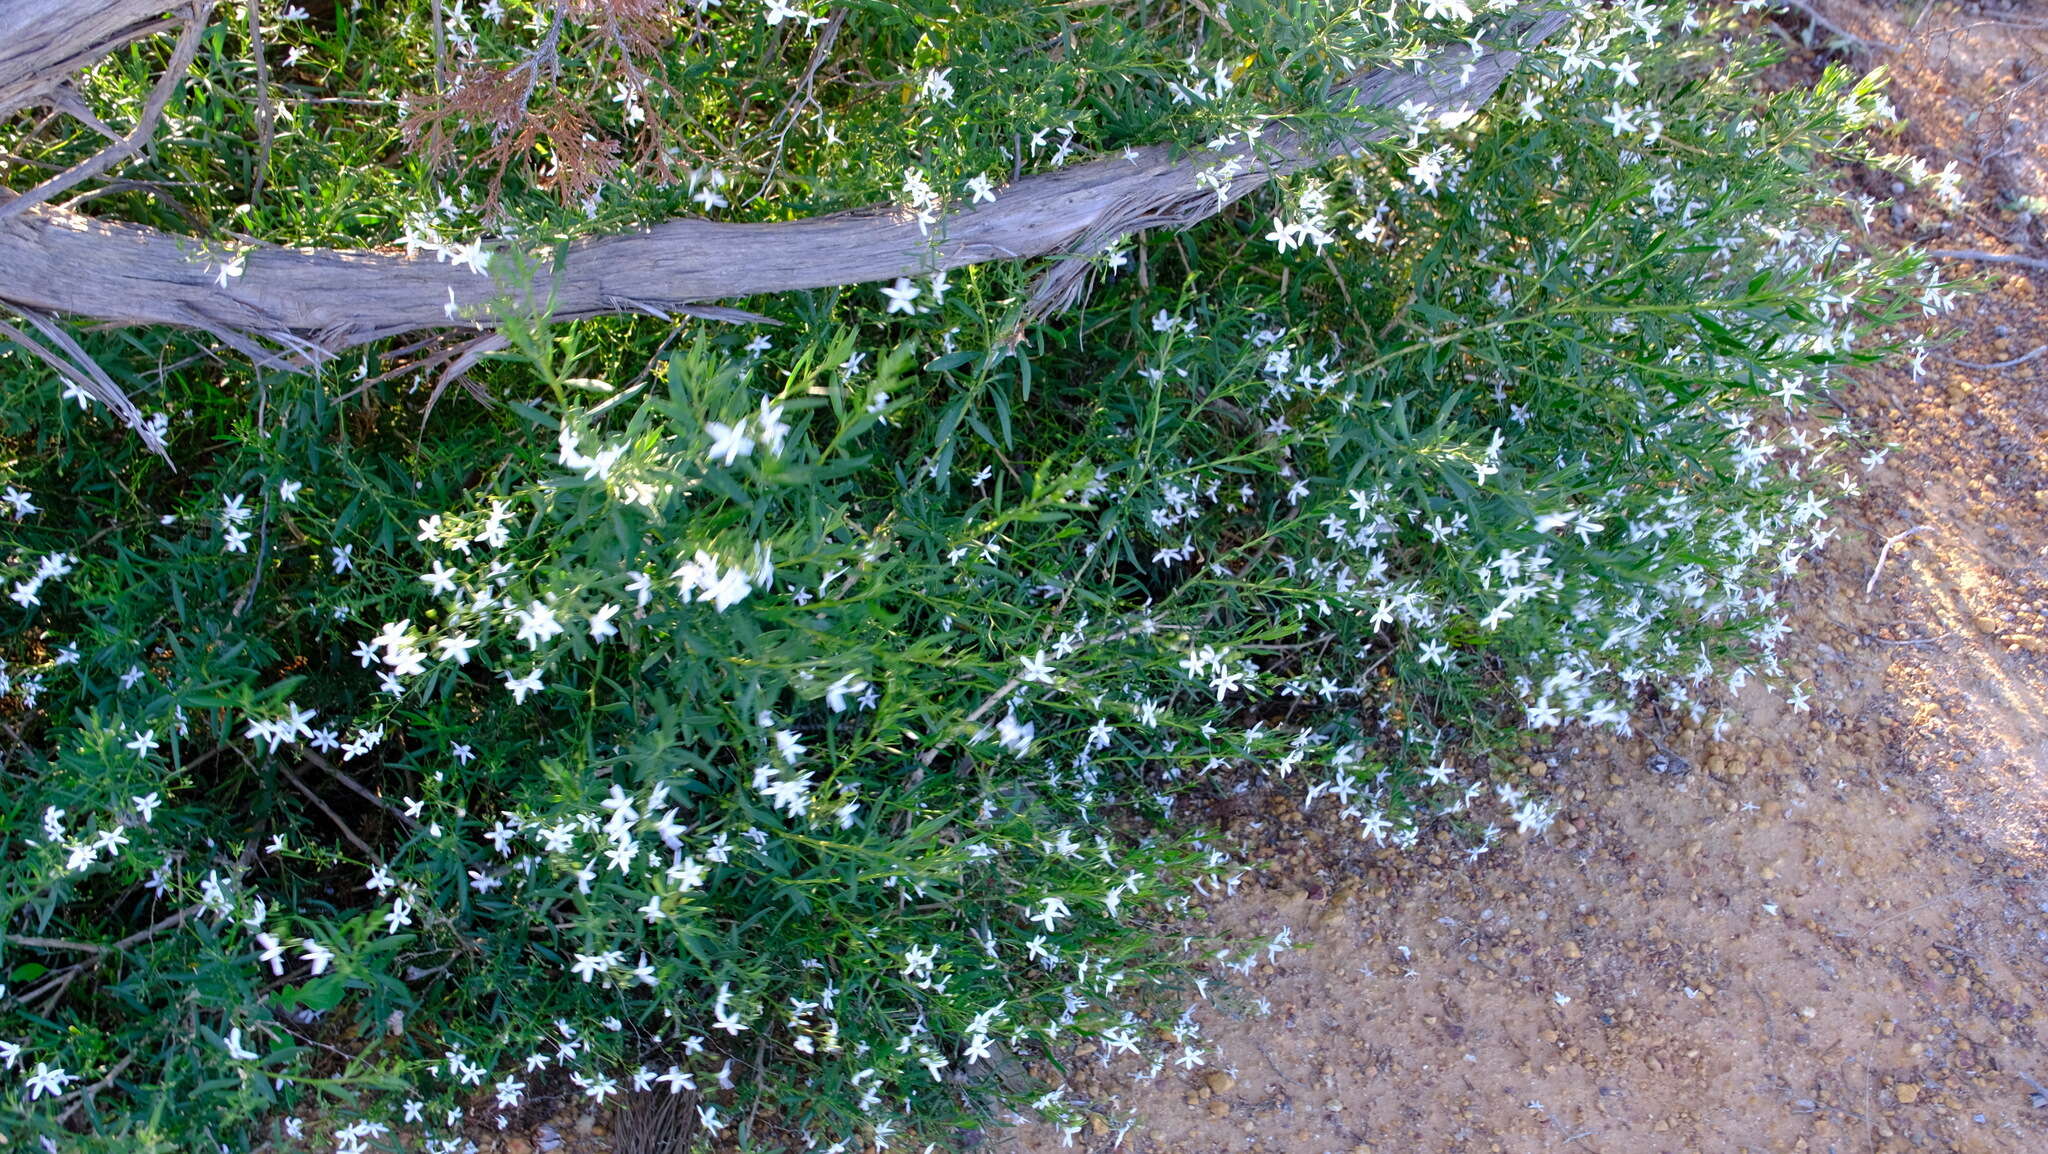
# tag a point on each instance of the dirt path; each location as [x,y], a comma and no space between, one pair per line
[1828,933]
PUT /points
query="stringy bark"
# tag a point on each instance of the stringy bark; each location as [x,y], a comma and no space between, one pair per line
[308,303]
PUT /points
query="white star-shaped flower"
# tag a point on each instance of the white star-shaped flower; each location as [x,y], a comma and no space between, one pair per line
[729,442]
[521,686]
[903,296]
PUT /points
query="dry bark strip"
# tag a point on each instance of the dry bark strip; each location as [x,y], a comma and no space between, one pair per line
[124,147]
[42,42]
[311,302]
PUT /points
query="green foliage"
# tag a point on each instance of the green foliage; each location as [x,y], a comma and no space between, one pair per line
[808,719]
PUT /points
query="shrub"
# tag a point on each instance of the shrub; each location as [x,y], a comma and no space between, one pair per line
[805,720]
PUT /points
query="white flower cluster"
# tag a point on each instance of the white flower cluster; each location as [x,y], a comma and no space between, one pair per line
[1311,224]
[105,838]
[28,592]
[423,232]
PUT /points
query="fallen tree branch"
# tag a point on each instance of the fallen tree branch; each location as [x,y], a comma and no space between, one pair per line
[42,42]
[315,302]
[145,124]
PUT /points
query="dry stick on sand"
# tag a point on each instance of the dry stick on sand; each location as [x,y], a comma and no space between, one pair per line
[315,302]
[1812,12]
[1871,585]
[2014,363]
[1988,257]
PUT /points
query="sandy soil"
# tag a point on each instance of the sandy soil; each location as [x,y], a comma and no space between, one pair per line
[1828,933]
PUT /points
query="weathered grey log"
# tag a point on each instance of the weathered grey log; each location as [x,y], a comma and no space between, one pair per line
[42,42]
[123,147]
[316,301]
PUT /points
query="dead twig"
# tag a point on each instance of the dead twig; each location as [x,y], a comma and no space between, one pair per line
[347,830]
[71,362]
[169,923]
[925,759]
[1871,585]
[51,943]
[805,95]
[1988,257]
[1813,13]
[248,596]
[2011,364]
[465,357]
[760,1073]
[266,117]
[1931,902]
[156,190]
[85,1095]
[359,789]
[655,1123]
[440,46]
[57,981]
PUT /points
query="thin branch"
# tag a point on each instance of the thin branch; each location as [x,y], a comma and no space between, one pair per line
[347,830]
[2014,363]
[248,597]
[86,1094]
[805,95]
[140,936]
[1871,585]
[65,99]
[1988,257]
[746,1129]
[59,980]
[51,943]
[1813,13]
[440,46]
[360,789]
[925,759]
[71,362]
[465,358]
[266,117]
[155,189]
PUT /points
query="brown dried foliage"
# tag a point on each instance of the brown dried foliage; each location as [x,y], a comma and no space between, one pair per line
[636,26]
[531,120]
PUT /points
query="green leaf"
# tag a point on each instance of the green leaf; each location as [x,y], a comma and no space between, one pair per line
[952,360]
